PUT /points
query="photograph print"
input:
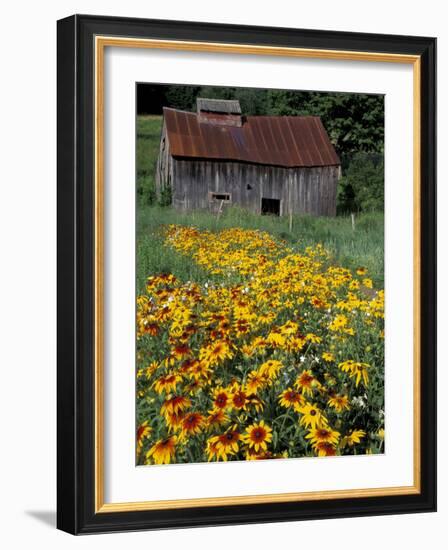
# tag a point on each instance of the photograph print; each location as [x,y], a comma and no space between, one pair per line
[259,274]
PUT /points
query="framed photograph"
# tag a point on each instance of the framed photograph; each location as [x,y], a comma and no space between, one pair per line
[246,274]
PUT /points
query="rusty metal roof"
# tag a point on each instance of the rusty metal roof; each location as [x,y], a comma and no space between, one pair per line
[288,141]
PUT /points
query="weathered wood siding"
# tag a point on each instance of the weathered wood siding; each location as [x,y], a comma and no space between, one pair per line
[300,190]
[192,182]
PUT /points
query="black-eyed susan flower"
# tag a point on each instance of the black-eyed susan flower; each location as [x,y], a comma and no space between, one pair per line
[255,381]
[291,398]
[199,371]
[173,421]
[311,416]
[257,436]
[239,398]
[167,383]
[247,350]
[221,398]
[163,451]
[187,365]
[193,387]
[266,318]
[192,423]
[241,327]
[306,383]
[356,370]
[212,449]
[295,344]
[276,339]
[175,404]
[354,285]
[225,444]
[217,418]
[180,351]
[367,283]
[255,401]
[317,302]
[151,369]
[270,369]
[215,353]
[323,448]
[259,345]
[151,328]
[143,431]
[289,328]
[339,403]
[323,434]
[354,437]
[339,323]
[313,338]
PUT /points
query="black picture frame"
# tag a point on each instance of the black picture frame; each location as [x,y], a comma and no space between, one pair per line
[76,271]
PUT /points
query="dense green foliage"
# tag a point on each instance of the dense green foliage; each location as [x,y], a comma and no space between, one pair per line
[362,186]
[182,97]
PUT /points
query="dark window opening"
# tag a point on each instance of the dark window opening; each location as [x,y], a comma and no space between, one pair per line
[221,196]
[249,186]
[270,206]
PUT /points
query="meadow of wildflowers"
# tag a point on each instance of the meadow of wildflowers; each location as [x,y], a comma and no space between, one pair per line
[276,352]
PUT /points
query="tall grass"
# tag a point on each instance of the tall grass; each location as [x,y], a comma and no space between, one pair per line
[148,143]
[363,246]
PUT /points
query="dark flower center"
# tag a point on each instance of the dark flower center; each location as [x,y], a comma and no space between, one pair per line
[239,400]
[221,400]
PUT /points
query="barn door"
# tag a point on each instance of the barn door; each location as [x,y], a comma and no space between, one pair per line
[270,206]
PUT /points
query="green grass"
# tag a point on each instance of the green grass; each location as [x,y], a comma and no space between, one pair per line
[362,247]
[148,141]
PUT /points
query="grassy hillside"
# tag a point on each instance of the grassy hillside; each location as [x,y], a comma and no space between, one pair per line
[148,141]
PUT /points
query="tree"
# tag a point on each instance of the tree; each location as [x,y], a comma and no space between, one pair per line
[182,97]
[362,186]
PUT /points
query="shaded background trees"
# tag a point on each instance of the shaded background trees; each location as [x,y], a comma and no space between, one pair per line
[354,122]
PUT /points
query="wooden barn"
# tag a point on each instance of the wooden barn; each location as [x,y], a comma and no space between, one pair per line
[267,164]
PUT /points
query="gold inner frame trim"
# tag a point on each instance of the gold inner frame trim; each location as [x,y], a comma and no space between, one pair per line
[101,42]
